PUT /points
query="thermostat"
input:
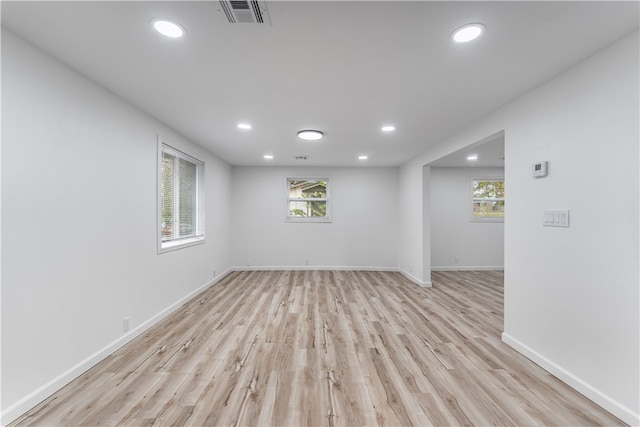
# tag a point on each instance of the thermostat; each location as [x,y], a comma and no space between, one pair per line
[539,169]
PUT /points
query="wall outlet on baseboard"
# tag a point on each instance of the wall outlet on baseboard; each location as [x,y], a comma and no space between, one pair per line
[214,273]
[126,324]
[306,262]
[456,260]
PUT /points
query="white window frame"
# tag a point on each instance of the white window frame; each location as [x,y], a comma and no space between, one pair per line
[199,237]
[473,199]
[327,200]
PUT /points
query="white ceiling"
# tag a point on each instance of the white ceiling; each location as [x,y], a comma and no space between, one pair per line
[489,152]
[343,67]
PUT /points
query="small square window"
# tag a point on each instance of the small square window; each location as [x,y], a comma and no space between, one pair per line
[488,200]
[308,200]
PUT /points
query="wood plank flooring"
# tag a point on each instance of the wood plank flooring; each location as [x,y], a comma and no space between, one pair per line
[324,348]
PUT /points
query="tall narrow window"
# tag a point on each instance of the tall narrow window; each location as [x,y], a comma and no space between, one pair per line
[308,200]
[488,200]
[181,200]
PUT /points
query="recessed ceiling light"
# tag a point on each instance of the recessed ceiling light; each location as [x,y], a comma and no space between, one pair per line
[310,135]
[467,33]
[363,157]
[388,128]
[268,157]
[244,126]
[168,28]
[472,157]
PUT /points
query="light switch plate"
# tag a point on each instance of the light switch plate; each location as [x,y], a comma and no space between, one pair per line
[556,218]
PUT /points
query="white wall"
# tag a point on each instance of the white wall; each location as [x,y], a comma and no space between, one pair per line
[457,243]
[571,295]
[362,234]
[79,225]
[410,224]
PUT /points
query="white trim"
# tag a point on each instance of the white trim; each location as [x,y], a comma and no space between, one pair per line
[616,408]
[414,279]
[172,245]
[23,405]
[311,267]
[468,268]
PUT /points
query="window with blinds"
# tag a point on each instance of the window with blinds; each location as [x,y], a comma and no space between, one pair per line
[181,204]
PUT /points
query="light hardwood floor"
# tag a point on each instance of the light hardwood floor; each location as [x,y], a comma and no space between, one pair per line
[324,348]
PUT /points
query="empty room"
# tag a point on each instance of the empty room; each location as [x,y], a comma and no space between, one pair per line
[285,213]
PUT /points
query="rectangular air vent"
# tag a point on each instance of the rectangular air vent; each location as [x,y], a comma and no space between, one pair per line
[301,157]
[245,11]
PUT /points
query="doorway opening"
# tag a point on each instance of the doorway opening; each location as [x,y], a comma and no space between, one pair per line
[466,208]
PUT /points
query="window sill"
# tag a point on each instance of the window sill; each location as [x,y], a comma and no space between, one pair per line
[308,220]
[487,220]
[179,244]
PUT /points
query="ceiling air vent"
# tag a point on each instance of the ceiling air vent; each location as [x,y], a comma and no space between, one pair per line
[301,157]
[245,11]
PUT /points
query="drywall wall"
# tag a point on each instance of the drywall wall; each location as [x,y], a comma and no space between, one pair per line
[457,243]
[580,284]
[410,224]
[79,238]
[571,295]
[362,233]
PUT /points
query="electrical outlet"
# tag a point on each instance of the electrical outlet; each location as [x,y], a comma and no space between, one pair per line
[306,262]
[214,273]
[126,324]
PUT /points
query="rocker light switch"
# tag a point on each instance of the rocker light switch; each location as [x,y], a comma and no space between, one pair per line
[556,218]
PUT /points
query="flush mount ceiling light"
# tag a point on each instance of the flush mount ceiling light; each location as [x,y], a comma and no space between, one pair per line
[472,157]
[363,157]
[168,28]
[268,157]
[388,128]
[310,135]
[468,32]
[244,126]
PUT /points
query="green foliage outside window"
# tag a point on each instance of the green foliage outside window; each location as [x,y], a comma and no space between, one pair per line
[488,199]
[307,198]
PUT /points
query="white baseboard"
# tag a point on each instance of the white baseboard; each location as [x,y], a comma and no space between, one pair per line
[467,268]
[414,279]
[17,409]
[311,267]
[590,392]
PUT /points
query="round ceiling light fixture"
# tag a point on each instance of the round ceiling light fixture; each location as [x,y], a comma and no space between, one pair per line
[168,28]
[388,128]
[310,135]
[468,32]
